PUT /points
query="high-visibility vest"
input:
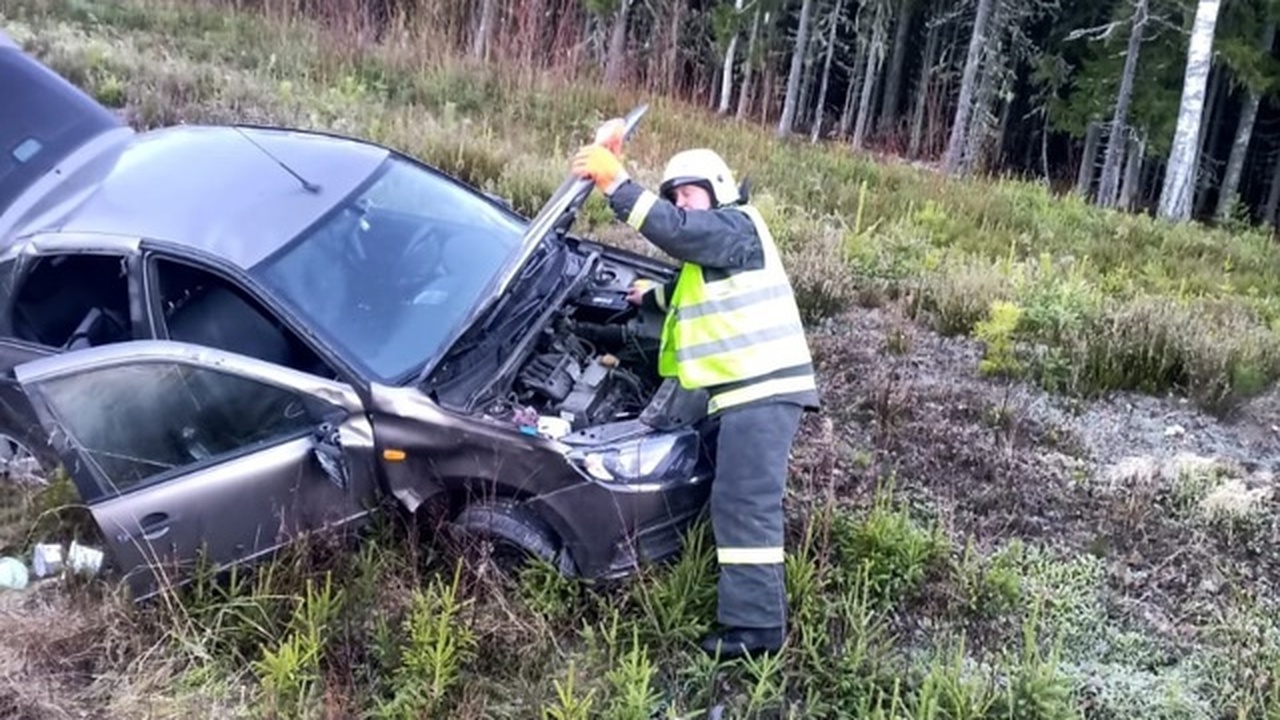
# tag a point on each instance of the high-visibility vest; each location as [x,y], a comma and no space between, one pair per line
[736,328]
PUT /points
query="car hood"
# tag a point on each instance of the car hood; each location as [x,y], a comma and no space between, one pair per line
[52,134]
[553,220]
[559,212]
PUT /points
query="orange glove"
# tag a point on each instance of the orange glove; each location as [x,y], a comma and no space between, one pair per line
[610,135]
[601,166]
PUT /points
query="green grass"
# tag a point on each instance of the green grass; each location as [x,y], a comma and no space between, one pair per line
[893,616]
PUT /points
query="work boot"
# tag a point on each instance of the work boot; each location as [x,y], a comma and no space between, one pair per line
[733,643]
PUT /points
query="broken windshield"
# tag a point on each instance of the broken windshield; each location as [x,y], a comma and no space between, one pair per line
[392,271]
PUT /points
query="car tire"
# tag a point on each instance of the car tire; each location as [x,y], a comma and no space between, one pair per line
[513,534]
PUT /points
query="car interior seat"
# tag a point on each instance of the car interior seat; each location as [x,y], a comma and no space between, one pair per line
[220,318]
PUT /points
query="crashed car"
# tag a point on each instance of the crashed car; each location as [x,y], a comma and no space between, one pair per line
[229,336]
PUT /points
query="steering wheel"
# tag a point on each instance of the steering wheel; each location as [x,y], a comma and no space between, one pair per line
[421,262]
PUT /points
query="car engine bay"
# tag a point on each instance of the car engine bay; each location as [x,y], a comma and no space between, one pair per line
[589,361]
[596,362]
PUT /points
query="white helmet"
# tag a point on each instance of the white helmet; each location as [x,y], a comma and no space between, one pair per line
[705,168]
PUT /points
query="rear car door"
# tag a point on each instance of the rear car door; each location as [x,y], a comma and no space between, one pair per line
[181,450]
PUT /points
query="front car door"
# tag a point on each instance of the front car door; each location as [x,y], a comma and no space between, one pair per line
[181,450]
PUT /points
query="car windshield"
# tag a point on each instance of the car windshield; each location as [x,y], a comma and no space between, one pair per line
[390,273]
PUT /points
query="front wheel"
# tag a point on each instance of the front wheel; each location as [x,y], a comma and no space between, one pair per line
[508,537]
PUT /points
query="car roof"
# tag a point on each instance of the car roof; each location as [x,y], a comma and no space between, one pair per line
[217,189]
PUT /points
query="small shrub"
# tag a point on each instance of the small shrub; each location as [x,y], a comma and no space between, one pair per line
[570,705]
[1034,689]
[892,549]
[546,591]
[823,283]
[677,601]
[991,586]
[997,332]
[632,694]
[437,644]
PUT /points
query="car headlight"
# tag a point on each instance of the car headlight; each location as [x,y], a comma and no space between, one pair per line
[648,459]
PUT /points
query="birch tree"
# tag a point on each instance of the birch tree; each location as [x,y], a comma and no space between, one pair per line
[1244,132]
[833,26]
[726,79]
[1179,180]
[484,33]
[1117,135]
[875,54]
[797,67]
[951,163]
[748,66]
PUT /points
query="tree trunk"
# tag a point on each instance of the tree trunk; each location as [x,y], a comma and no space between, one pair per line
[875,53]
[726,80]
[1131,188]
[1273,195]
[797,66]
[1084,179]
[744,95]
[484,34]
[922,91]
[979,122]
[893,80]
[1211,124]
[768,91]
[671,54]
[964,107]
[1109,185]
[854,91]
[826,72]
[1244,133]
[1179,178]
[614,63]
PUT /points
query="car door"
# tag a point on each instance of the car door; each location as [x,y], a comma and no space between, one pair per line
[181,450]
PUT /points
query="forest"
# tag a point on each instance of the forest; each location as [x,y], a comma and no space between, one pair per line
[1157,106]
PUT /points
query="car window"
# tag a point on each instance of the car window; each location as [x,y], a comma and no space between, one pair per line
[202,308]
[139,421]
[388,276]
[73,301]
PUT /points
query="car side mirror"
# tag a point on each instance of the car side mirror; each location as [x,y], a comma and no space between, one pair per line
[327,446]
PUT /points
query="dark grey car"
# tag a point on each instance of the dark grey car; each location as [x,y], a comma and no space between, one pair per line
[229,336]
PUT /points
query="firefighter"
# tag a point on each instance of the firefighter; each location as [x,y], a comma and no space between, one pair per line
[733,328]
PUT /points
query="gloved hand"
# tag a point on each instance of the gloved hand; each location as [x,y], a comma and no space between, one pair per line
[610,135]
[601,166]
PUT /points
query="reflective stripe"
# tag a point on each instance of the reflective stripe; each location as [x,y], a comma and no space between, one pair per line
[759,391]
[734,302]
[641,209]
[738,342]
[750,556]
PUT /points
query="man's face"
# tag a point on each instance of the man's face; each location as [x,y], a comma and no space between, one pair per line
[692,197]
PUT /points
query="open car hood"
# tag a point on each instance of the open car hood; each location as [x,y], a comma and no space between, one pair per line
[555,218]
[559,212]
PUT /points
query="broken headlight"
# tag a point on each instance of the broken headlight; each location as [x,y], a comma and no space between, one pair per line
[658,458]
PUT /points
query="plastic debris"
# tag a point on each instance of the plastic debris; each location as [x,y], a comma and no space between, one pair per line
[84,559]
[13,574]
[47,559]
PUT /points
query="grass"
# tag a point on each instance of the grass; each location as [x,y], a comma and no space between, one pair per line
[896,613]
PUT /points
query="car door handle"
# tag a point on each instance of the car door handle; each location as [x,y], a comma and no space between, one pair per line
[154,526]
